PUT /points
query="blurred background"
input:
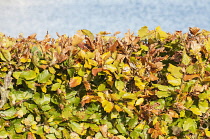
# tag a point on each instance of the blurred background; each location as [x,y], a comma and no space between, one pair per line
[68,16]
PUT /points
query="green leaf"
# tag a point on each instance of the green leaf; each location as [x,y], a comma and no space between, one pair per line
[45,99]
[161,87]
[121,128]
[134,134]
[16,74]
[143,32]
[31,84]
[78,128]
[19,127]
[3,134]
[161,94]
[185,58]
[173,81]
[6,54]
[175,71]
[102,87]
[119,85]
[28,75]
[8,114]
[203,106]
[133,122]
[44,76]
[55,86]
[129,96]
[189,124]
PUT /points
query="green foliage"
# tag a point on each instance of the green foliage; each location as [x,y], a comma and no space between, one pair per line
[154,85]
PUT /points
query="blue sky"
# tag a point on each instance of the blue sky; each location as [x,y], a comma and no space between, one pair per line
[68,16]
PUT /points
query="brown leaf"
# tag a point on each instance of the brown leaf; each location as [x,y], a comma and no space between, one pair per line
[90,44]
[87,85]
[87,99]
[194,30]
[118,32]
[33,36]
[135,41]
[104,129]
[190,77]
[153,77]
[114,46]
[31,136]
[96,70]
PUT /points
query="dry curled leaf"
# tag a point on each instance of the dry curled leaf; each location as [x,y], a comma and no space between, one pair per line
[194,30]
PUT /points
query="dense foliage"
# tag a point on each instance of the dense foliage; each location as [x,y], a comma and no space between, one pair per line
[154,85]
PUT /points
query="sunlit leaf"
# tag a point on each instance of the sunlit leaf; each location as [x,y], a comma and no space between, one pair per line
[9,113]
[189,124]
[119,85]
[185,58]
[112,68]
[88,33]
[175,71]
[161,94]
[75,81]
[6,54]
[121,128]
[161,34]
[44,76]
[190,77]
[173,81]
[95,71]
[203,106]
[139,101]
[3,134]
[142,33]
[55,86]
[139,83]
[196,111]
[28,75]
[104,130]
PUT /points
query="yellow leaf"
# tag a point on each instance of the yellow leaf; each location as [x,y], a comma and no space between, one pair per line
[143,32]
[109,61]
[139,101]
[155,121]
[43,88]
[112,68]
[207,132]
[107,105]
[196,111]
[173,81]
[118,108]
[139,83]
[75,81]
[175,71]
[76,39]
[161,34]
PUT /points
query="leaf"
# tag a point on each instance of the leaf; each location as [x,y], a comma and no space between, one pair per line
[3,134]
[119,85]
[42,100]
[142,33]
[73,135]
[133,122]
[104,130]
[161,34]
[114,46]
[87,99]
[76,39]
[95,71]
[196,111]
[44,76]
[161,94]
[121,128]
[75,81]
[28,75]
[87,85]
[55,86]
[203,106]
[78,128]
[207,132]
[6,54]
[139,83]
[173,81]
[189,124]
[139,101]
[175,71]
[111,67]
[16,75]
[8,114]
[107,105]
[185,58]
[31,84]
[88,33]
[190,77]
